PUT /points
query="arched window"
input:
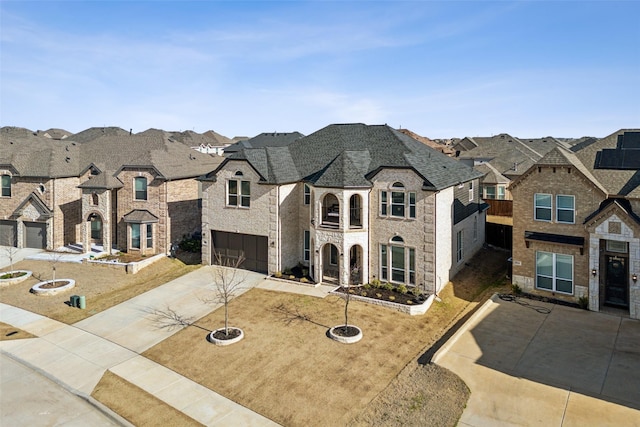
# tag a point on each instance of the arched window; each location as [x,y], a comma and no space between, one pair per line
[140,188]
[400,203]
[330,210]
[398,262]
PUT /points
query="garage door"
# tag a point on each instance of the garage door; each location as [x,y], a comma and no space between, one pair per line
[8,233]
[35,235]
[230,246]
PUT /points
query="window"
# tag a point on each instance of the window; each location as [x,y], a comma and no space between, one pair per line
[140,188]
[470,190]
[333,255]
[459,244]
[384,267]
[94,199]
[475,228]
[238,193]
[6,185]
[307,245]
[401,259]
[501,192]
[135,236]
[307,194]
[554,272]
[615,246]
[542,207]
[565,209]
[489,191]
[403,203]
[149,235]
[383,203]
[397,200]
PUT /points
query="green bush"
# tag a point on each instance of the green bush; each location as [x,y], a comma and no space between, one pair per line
[516,289]
[583,302]
[191,243]
[367,286]
[375,283]
[387,286]
[402,289]
[415,291]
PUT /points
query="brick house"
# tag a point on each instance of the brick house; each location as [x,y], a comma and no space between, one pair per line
[115,190]
[576,231]
[350,203]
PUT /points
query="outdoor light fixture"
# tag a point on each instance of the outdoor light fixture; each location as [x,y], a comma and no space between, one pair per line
[594,272]
[634,277]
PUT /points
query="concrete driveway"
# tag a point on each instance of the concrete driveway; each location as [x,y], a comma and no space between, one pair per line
[543,364]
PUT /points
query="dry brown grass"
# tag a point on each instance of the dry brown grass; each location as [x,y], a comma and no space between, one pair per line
[289,371]
[102,286]
[136,405]
[8,332]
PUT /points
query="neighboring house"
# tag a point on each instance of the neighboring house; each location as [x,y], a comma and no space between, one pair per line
[54,133]
[133,193]
[576,231]
[443,148]
[267,139]
[351,203]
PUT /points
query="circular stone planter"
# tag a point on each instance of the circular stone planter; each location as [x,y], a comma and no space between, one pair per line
[51,287]
[354,334]
[221,342]
[13,280]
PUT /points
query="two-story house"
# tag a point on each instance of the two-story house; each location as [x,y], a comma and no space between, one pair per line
[113,190]
[576,231]
[351,203]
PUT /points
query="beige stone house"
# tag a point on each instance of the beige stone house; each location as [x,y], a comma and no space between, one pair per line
[113,190]
[350,203]
[576,230]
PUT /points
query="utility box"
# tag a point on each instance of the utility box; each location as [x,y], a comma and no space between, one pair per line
[74,301]
[82,302]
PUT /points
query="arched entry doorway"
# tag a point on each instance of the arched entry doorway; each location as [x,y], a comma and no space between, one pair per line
[330,263]
[95,229]
[355,265]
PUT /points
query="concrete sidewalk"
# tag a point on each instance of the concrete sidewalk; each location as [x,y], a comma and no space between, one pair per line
[77,356]
[550,365]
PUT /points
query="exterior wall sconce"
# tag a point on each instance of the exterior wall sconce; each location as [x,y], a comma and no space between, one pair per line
[634,277]
[594,272]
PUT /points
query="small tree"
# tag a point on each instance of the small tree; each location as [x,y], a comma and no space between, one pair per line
[54,258]
[228,281]
[9,249]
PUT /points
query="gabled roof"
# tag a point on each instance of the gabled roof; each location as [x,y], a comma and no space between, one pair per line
[34,200]
[491,174]
[140,216]
[102,180]
[54,133]
[266,139]
[349,155]
[97,132]
[616,181]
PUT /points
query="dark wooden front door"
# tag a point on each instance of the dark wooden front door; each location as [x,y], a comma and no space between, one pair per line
[616,289]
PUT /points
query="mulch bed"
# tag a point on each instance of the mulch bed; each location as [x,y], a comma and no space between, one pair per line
[220,335]
[348,331]
[55,284]
[13,275]
[384,295]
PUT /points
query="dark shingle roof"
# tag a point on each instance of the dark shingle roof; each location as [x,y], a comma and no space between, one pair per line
[271,139]
[97,132]
[349,155]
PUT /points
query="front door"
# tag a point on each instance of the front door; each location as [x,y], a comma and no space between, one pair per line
[616,290]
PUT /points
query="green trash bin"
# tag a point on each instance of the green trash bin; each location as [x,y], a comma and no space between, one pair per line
[74,301]
[82,302]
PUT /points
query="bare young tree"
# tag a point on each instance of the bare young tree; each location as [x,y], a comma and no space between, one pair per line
[228,281]
[9,248]
[54,259]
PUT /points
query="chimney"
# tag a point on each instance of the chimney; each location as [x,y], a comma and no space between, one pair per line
[130,131]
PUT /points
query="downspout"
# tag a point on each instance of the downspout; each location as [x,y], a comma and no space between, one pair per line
[435,245]
[53,222]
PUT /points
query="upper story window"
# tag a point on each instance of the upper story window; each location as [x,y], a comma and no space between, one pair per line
[307,194]
[6,185]
[542,207]
[140,184]
[470,190]
[501,192]
[238,192]
[565,209]
[403,203]
[94,199]
[489,191]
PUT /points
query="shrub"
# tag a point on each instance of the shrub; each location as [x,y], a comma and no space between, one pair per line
[375,283]
[387,286]
[516,289]
[415,291]
[287,272]
[402,289]
[583,302]
[278,274]
[367,286]
[191,243]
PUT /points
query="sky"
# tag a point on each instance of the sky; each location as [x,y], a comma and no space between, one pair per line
[439,68]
